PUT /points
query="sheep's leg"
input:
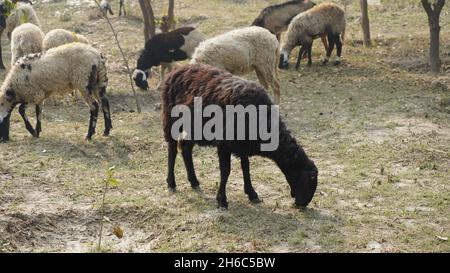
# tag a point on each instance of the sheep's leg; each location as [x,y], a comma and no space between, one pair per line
[172,156]
[309,48]
[189,164]
[122,6]
[330,49]
[106,111]
[225,168]
[93,120]
[248,187]
[4,130]
[300,56]
[22,111]
[38,119]
[278,37]
[261,78]
[265,78]
[338,42]
[324,41]
[2,66]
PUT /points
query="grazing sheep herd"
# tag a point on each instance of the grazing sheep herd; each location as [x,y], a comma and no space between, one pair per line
[61,61]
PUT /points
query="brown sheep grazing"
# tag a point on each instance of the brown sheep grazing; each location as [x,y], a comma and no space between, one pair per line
[218,89]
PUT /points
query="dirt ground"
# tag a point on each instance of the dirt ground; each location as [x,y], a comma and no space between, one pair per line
[378,127]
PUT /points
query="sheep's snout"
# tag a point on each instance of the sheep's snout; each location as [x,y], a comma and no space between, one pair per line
[140,79]
[306,186]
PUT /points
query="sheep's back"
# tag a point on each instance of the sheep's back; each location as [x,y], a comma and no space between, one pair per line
[58,37]
[322,18]
[26,39]
[277,18]
[59,70]
[237,51]
[215,86]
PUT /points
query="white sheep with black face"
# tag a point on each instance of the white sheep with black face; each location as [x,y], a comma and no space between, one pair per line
[164,49]
[241,51]
[25,39]
[60,70]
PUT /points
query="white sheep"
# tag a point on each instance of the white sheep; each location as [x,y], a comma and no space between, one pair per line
[60,70]
[13,15]
[22,13]
[241,51]
[326,18]
[58,37]
[25,39]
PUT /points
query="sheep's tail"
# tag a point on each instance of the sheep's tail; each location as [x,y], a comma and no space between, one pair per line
[102,72]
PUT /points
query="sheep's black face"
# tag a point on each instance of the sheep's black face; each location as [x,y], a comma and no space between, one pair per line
[303,184]
[140,79]
[284,63]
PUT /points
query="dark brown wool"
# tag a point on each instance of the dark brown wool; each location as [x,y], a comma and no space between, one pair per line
[218,87]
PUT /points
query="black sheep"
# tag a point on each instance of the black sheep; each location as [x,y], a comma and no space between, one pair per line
[218,87]
[166,48]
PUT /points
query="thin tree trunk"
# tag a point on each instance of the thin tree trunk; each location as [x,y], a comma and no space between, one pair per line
[365,24]
[149,19]
[171,13]
[435,60]
[434,12]
[168,21]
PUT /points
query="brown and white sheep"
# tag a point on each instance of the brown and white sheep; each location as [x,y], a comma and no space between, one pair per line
[324,18]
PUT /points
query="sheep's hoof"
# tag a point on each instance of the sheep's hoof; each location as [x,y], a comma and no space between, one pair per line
[325,62]
[255,200]
[222,204]
[337,62]
[172,189]
[301,208]
[106,134]
[196,188]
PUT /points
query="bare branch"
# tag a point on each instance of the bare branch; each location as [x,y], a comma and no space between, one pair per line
[138,105]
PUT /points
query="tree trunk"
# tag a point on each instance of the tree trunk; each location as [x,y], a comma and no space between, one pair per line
[168,21]
[435,60]
[365,24]
[434,12]
[149,19]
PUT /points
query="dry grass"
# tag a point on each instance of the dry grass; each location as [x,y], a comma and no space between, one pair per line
[377,127]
